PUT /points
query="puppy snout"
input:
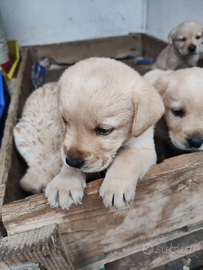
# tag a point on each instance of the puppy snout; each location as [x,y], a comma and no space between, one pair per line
[74,158]
[192,49]
[76,163]
[195,141]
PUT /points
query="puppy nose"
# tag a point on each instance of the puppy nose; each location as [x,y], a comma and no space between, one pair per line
[192,48]
[76,163]
[195,141]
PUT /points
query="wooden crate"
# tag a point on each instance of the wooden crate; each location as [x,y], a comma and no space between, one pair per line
[167,208]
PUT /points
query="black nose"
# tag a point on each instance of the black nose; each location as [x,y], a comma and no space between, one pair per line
[192,48]
[76,163]
[195,141]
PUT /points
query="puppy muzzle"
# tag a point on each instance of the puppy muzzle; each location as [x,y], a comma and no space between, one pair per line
[75,163]
[195,142]
[192,49]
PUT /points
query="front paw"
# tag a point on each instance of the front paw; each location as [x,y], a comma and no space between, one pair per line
[65,192]
[116,193]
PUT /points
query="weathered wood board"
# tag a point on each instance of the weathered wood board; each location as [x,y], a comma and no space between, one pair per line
[72,52]
[175,254]
[42,245]
[169,198]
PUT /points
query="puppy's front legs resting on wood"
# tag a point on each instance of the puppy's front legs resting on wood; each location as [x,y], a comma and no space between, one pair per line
[66,188]
[130,165]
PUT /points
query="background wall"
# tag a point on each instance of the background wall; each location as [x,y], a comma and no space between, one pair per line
[164,15]
[33,22]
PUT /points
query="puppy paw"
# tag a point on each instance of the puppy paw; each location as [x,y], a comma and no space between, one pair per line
[33,182]
[65,192]
[116,194]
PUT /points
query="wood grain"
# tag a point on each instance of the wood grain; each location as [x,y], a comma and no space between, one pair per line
[162,255]
[12,166]
[168,200]
[72,52]
[43,246]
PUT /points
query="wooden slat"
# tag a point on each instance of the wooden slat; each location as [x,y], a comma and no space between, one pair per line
[5,154]
[12,167]
[72,52]
[151,46]
[167,201]
[2,194]
[42,246]
[164,254]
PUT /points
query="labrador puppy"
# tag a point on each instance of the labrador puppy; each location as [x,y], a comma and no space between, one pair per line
[184,50]
[100,115]
[180,130]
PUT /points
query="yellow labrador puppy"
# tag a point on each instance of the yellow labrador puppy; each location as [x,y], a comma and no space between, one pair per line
[184,50]
[181,128]
[100,115]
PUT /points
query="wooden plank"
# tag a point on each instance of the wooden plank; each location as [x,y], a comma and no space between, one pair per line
[12,167]
[164,254]
[151,46]
[72,52]
[167,201]
[2,193]
[42,246]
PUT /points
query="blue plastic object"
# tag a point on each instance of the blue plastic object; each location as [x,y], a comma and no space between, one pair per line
[4,104]
[37,76]
[144,61]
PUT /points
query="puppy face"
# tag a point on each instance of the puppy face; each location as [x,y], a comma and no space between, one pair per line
[183,101]
[103,103]
[187,37]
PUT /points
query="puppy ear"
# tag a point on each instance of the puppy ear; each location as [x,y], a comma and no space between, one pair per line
[148,106]
[161,84]
[171,35]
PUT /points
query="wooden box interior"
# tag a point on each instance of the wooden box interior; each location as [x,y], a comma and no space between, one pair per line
[168,204]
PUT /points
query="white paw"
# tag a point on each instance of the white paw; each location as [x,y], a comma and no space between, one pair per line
[65,192]
[116,193]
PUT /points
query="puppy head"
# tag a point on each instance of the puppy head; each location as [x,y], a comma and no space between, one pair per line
[187,37]
[103,103]
[182,92]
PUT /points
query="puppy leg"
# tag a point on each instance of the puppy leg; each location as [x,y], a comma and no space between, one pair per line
[118,187]
[39,175]
[66,188]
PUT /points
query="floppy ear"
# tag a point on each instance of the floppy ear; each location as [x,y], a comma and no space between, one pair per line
[161,84]
[148,106]
[171,35]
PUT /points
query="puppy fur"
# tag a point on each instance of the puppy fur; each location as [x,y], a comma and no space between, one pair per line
[184,50]
[100,115]
[180,130]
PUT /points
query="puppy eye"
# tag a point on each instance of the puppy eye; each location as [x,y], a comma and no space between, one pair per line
[182,39]
[103,131]
[64,120]
[179,113]
[198,37]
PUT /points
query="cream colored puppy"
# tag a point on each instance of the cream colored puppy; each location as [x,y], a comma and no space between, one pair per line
[184,50]
[152,75]
[181,128]
[103,119]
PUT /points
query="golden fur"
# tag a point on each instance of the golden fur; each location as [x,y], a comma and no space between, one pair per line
[181,90]
[101,113]
[184,50]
